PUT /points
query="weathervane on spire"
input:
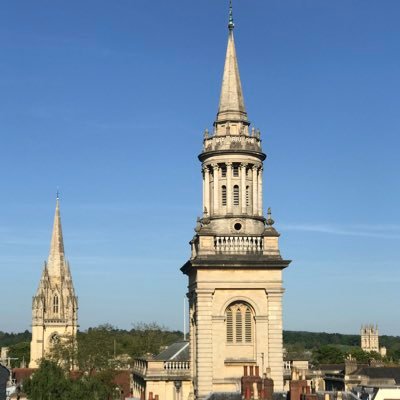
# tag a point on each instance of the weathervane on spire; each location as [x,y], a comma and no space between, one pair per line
[58,194]
[231,25]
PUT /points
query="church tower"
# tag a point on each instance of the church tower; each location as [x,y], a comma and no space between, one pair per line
[55,306]
[369,338]
[235,269]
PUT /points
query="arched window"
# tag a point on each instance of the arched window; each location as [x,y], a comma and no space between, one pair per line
[236,195]
[239,324]
[223,194]
[55,304]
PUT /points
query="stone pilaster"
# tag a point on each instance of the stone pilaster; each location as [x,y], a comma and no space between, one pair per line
[275,339]
[204,359]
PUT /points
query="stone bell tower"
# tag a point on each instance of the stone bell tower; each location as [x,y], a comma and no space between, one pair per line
[235,269]
[55,306]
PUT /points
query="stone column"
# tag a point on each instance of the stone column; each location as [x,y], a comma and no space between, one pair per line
[229,188]
[204,186]
[255,190]
[260,187]
[275,340]
[207,189]
[243,187]
[216,188]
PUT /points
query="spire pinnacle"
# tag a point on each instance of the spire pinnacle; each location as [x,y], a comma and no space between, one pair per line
[231,24]
[231,103]
[56,254]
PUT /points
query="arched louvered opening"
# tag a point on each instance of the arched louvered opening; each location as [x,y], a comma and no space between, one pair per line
[223,195]
[229,326]
[239,324]
[236,195]
[247,196]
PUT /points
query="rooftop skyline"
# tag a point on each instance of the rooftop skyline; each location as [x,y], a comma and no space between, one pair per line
[109,102]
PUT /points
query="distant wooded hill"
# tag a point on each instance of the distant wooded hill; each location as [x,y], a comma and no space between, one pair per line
[312,340]
[301,339]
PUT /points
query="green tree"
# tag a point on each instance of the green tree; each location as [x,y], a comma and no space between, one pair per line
[48,383]
[21,351]
[328,355]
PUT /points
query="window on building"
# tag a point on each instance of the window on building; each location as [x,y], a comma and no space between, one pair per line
[223,172]
[236,195]
[55,304]
[229,326]
[239,324]
[247,196]
[223,194]
[236,170]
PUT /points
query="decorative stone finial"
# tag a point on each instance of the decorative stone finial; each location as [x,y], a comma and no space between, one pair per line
[231,25]
[206,134]
[269,220]
[198,225]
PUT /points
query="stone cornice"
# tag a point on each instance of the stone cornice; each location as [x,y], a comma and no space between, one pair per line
[207,154]
[226,262]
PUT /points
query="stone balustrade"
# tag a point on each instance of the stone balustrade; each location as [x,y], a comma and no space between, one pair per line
[238,244]
[155,368]
[177,365]
[232,142]
[140,367]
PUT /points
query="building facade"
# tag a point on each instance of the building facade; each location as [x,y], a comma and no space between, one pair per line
[55,306]
[235,270]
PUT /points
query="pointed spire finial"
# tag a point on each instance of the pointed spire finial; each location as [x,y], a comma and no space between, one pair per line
[231,102]
[231,24]
[58,194]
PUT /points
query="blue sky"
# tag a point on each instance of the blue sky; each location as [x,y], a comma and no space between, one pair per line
[108,101]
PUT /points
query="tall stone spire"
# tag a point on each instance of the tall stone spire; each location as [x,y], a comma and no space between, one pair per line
[231,103]
[55,306]
[56,254]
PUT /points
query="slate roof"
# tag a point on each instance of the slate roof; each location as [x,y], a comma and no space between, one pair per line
[178,351]
[331,367]
[379,373]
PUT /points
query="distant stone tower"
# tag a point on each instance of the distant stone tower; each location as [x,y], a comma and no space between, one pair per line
[235,270]
[369,338]
[55,306]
